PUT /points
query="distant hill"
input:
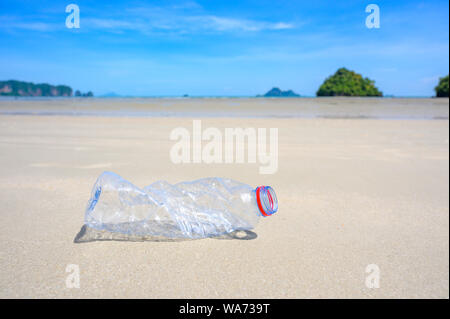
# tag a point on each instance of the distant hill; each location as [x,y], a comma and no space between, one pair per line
[276,92]
[19,88]
[348,83]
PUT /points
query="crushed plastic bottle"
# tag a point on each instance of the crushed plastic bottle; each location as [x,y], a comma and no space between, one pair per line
[202,208]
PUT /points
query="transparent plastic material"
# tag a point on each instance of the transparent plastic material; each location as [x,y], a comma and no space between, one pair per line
[203,208]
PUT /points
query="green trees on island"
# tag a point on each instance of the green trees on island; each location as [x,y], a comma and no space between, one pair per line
[348,83]
[442,88]
[19,88]
[79,94]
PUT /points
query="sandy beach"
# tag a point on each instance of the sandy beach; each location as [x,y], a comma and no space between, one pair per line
[353,191]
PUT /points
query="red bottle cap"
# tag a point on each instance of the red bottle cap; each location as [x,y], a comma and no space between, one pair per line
[266,200]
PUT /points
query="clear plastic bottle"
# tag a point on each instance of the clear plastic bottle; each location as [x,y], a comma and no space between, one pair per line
[206,207]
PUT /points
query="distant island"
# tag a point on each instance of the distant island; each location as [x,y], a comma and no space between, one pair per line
[276,92]
[20,88]
[348,83]
[442,88]
[79,94]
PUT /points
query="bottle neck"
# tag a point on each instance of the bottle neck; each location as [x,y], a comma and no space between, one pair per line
[266,200]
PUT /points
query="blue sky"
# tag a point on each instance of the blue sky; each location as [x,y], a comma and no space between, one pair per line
[223,48]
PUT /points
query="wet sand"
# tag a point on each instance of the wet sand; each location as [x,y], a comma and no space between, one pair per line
[352,192]
[324,107]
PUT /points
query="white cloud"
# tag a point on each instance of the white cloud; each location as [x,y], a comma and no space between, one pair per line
[108,23]
[185,24]
[282,25]
[11,22]
[34,26]
[230,24]
[185,17]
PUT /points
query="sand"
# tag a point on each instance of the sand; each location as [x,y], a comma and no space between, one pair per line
[324,107]
[352,192]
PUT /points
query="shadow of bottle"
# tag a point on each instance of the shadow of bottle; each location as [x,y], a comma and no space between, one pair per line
[88,234]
